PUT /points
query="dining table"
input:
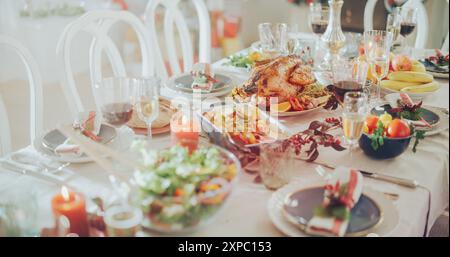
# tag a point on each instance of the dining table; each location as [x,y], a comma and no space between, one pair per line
[246,213]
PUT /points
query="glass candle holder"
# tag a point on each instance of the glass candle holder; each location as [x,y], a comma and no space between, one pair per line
[185,130]
[277,164]
[122,221]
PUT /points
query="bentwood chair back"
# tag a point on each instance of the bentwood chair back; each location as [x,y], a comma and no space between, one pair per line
[98,24]
[422,19]
[173,16]
[35,85]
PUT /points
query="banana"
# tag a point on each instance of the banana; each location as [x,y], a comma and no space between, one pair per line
[411,76]
[418,67]
[429,87]
[398,85]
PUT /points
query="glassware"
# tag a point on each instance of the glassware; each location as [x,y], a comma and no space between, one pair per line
[123,220]
[372,91]
[353,117]
[408,23]
[276,164]
[147,101]
[114,97]
[273,38]
[393,24]
[333,38]
[348,76]
[377,46]
[318,18]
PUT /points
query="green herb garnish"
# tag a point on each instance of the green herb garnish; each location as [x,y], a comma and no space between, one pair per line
[377,136]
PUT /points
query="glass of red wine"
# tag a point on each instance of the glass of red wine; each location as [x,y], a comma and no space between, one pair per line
[114,97]
[348,76]
[408,23]
[318,18]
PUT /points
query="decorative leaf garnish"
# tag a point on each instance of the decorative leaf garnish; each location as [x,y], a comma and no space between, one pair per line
[377,137]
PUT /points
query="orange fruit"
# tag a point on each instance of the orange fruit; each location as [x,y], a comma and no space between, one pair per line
[281,107]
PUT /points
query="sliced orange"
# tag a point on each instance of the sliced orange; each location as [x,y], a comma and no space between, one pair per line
[281,107]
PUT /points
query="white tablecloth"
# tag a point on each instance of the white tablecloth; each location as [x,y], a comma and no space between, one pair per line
[246,214]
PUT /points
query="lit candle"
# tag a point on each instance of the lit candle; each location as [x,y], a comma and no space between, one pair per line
[185,131]
[73,207]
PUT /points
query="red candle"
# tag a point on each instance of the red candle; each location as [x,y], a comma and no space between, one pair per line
[73,207]
[185,131]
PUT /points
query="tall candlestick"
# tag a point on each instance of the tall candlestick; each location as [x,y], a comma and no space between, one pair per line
[73,207]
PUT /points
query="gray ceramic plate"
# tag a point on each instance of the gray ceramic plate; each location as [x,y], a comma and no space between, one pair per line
[364,216]
[184,83]
[54,138]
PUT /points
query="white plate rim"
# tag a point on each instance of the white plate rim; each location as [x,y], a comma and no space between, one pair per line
[170,84]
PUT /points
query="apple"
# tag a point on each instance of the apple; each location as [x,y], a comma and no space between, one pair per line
[402,63]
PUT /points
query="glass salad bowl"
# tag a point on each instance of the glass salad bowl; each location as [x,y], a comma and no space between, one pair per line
[179,192]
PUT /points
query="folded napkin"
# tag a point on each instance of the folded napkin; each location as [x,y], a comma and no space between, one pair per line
[342,192]
[203,77]
[90,127]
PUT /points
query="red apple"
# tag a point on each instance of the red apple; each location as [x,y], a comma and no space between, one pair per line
[402,63]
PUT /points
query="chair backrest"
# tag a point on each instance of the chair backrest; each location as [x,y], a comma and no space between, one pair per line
[444,48]
[422,19]
[35,84]
[173,16]
[98,24]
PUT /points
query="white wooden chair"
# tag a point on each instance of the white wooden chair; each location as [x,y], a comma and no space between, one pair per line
[36,105]
[98,24]
[173,16]
[444,48]
[422,19]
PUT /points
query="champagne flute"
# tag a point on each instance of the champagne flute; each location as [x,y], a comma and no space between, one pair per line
[408,23]
[147,99]
[377,46]
[353,117]
[114,98]
[393,24]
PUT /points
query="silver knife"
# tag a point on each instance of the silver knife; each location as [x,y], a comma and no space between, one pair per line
[14,167]
[399,181]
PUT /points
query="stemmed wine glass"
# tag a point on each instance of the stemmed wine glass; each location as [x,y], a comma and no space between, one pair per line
[318,22]
[377,46]
[147,102]
[353,117]
[408,23]
[114,97]
[393,24]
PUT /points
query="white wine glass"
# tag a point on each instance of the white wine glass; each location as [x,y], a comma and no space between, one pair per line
[353,117]
[377,46]
[147,102]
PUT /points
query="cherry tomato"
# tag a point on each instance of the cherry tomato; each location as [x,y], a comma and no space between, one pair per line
[398,129]
[372,123]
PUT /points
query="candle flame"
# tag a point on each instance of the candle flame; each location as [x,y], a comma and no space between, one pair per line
[65,193]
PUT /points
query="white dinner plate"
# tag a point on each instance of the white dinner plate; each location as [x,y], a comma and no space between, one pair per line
[224,90]
[390,217]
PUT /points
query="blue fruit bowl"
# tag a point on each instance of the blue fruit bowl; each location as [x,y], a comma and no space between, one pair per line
[391,148]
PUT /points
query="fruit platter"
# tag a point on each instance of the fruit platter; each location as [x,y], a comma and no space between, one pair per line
[408,76]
